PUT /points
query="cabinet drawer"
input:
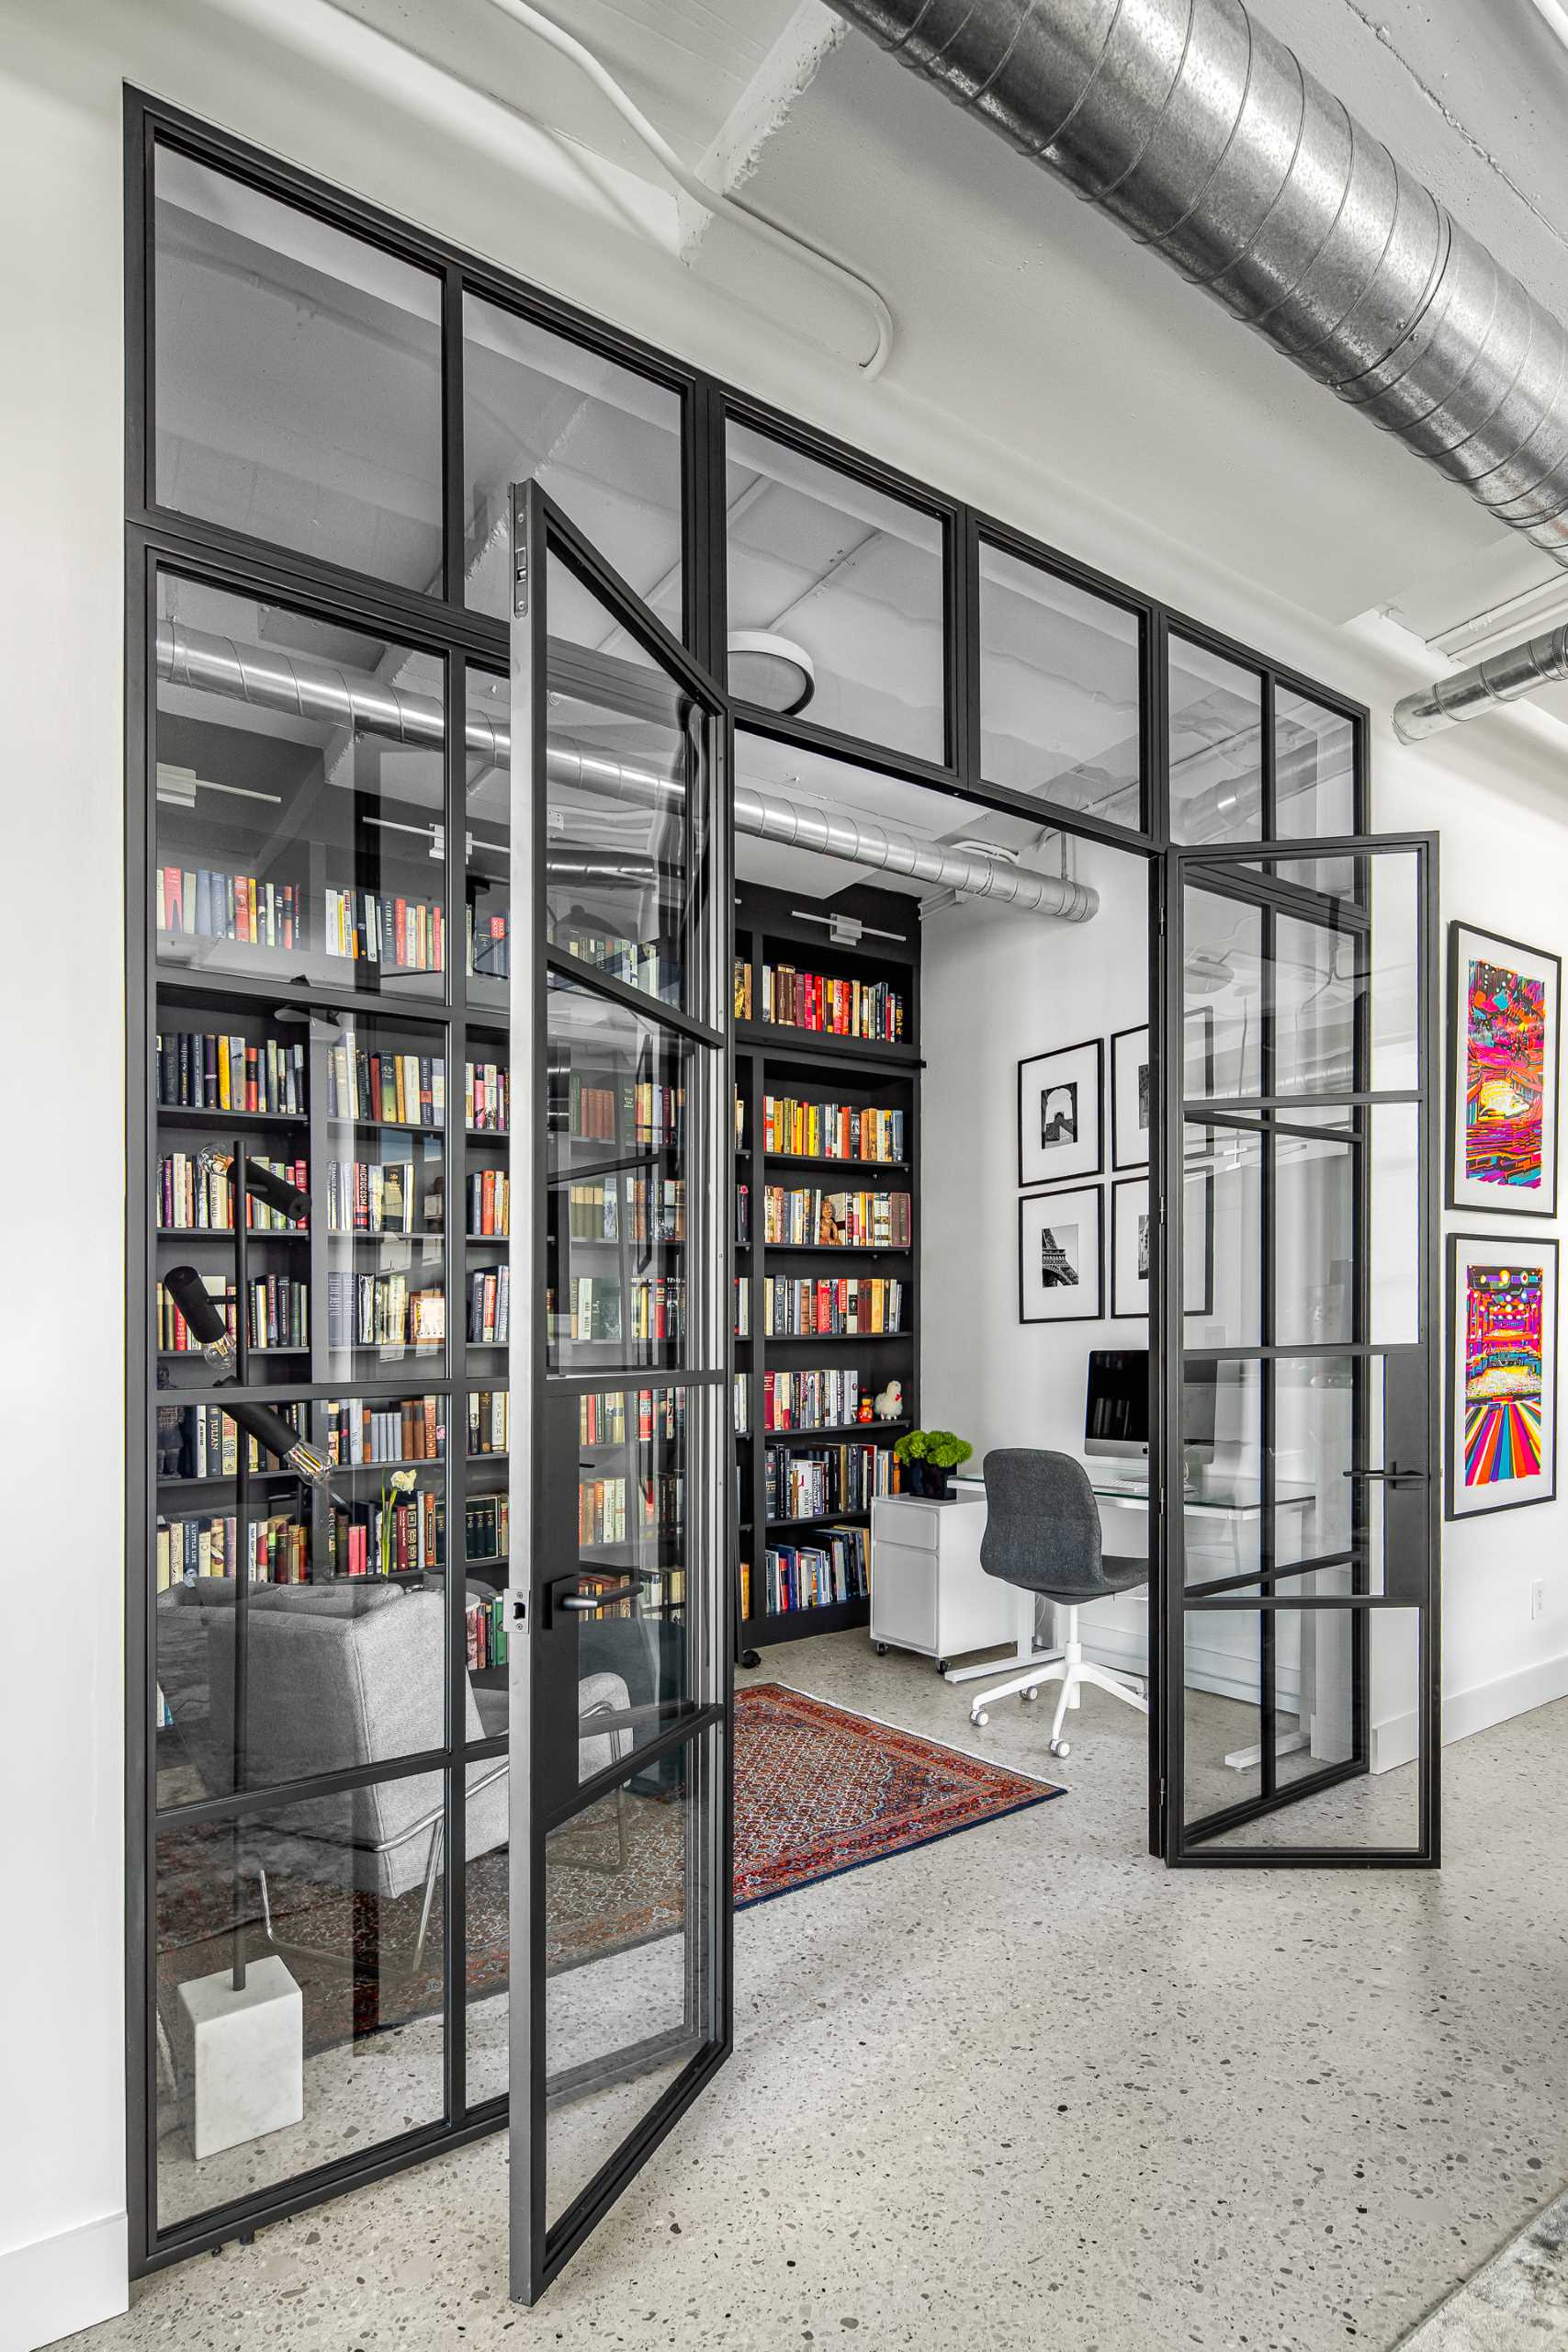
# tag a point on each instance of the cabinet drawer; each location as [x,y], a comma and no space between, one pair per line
[896,1520]
[904,1595]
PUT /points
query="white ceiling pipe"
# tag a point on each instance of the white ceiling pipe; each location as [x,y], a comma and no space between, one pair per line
[324,693]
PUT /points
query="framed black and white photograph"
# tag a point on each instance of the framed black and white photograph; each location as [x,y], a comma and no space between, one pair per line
[1131,1087]
[1061,1257]
[1505,1055]
[1130,1244]
[1061,1114]
[1502,1374]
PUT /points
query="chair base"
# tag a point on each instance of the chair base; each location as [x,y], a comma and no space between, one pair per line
[1072,1670]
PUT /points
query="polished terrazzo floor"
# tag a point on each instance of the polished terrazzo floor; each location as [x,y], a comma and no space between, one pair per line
[1025,2086]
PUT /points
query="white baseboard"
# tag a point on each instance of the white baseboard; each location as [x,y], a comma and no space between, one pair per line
[1477,1709]
[60,2284]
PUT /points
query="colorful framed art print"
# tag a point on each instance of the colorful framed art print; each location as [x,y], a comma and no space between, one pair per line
[1504,1023]
[1502,1373]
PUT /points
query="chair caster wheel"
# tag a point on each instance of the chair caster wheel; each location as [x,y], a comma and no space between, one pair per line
[1060,1748]
[942,1666]
[979,1719]
[882,1649]
[1031,1694]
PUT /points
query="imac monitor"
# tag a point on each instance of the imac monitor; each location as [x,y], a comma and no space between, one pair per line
[1116,1410]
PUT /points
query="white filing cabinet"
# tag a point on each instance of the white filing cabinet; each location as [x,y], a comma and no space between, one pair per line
[929,1591]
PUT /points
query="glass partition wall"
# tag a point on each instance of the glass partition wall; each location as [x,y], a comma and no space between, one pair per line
[327,412]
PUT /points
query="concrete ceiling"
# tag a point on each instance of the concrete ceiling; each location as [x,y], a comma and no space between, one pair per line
[1036,322]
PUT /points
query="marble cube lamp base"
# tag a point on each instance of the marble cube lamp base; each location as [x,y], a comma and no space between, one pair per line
[240,2057]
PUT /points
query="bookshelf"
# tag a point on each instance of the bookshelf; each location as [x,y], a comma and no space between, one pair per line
[813,1068]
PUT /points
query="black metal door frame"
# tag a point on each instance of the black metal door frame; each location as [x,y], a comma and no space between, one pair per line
[544,1788]
[1250,875]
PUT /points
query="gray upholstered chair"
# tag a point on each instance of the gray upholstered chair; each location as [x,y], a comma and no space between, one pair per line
[341,1676]
[1043,1533]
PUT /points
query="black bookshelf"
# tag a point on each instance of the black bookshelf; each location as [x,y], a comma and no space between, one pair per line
[772,926]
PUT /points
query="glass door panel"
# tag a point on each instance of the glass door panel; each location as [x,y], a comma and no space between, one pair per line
[1300,1701]
[617,1634]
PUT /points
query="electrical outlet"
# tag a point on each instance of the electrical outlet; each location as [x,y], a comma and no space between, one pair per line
[1538,1597]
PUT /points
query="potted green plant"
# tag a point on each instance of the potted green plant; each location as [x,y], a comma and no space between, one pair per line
[930,1457]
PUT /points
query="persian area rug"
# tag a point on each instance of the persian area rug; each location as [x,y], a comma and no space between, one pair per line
[817,1789]
[820,1790]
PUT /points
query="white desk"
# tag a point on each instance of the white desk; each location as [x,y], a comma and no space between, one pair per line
[1231,1507]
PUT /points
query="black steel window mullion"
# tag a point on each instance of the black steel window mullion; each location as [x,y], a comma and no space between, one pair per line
[455,1971]
[961,644]
[702,509]
[1167,1101]
[1167,1341]
[1268,768]
[1268,1370]
[452,430]
[142,1756]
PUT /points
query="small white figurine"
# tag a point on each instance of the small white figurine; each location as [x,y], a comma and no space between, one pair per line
[890,1404]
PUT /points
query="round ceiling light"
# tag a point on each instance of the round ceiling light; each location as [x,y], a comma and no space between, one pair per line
[773,673]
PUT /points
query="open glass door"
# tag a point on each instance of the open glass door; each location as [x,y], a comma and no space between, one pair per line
[1299,1718]
[621,1478]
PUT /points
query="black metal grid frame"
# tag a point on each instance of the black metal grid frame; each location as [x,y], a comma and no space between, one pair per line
[460,635]
[702,1722]
[1249,875]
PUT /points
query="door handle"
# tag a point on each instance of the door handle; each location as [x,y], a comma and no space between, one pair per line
[1393,1476]
[563,1594]
[585,1602]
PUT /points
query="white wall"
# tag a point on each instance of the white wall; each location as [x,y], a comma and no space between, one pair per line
[299,78]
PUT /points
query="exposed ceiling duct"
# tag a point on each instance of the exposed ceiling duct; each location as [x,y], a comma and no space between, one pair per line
[1207,139]
[1503,677]
[324,693]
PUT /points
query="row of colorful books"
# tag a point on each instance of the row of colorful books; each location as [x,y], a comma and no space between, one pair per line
[354,1431]
[192,1199]
[397,1089]
[803,1214]
[485,1625]
[408,934]
[198,1069]
[787,997]
[640,964]
[489,945]
[487,1521]
[490,1421]
[815,1399]
[392,1538]
[371,1197]
[201,1441]
[848,1306]
[487,1097]
[641,1208]
[614,1510]
[275,1550]
[592,1308]
[813,1576]
[830,1130]
[489,1202]
[490,1307]
[602,1418]
[826,1479]
[380,1310]
[200,904]
[640,1111]
[278,1314]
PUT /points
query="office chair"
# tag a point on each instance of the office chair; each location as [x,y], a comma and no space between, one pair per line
[1043,1533]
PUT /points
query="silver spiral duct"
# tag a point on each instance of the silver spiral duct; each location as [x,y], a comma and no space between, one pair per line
[1468,694]
[1208,140]
[324,693]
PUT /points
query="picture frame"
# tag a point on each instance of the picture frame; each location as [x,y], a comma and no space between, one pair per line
[1504,1044]
[1129,1230]
[1061,1114]
[1132,1087]
[1061,1256]
[1500,1390]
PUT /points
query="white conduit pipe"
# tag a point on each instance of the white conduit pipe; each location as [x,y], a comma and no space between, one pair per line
[270,678]
[713,200]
